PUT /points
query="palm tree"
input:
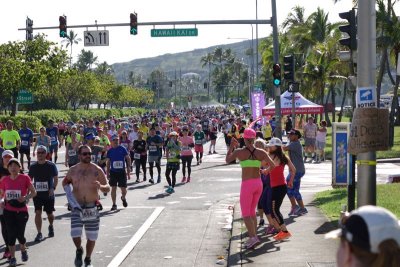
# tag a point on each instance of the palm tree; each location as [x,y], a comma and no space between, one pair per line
[72,39]
[207,60]
[295,18]
[85,60]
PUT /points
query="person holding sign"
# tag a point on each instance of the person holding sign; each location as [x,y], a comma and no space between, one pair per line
[117,160]
[44,174]
[86,179]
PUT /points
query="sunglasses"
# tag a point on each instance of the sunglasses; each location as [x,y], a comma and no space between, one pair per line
[86,153]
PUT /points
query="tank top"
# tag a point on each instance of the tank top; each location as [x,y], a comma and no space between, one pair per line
[43,141]
[277,177]
[321,136]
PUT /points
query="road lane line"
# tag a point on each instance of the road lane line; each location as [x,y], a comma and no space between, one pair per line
[124,252]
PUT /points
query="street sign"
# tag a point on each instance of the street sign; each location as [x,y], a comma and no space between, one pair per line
[96,38]
[174,32]
[24,97]
[293,87]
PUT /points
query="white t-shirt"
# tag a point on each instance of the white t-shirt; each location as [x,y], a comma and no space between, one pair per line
[310,130]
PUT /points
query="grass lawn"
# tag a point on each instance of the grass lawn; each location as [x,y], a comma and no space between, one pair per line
[331,201]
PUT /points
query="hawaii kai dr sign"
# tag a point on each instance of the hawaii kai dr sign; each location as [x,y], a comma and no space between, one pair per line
[174,32]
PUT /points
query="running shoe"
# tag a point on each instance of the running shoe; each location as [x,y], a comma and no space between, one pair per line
[201,161]
[282,235]
[183,180]
[88,262]
[168,190]
[209,153]
[252,242]
[151,181]
[144,179]
[294,210]
[6,255]
[124,203]
[301,211]
[198,163]
[114,207]
[13,262]
[172,190]
[39,237]
[24,256]
[188,180]
[215,152]
[78,257]
[51,231]
[270,230]
[137,181]
[261,223]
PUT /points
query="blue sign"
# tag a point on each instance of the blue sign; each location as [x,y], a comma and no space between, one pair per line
[366,94]
[341,159]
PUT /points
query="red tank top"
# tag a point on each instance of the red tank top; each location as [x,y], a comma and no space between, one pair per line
[277,177]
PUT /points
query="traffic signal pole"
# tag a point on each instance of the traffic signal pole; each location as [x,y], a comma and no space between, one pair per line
[278,128]
[366,65]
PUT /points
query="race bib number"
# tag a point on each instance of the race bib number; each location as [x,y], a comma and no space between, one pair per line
[42,186]
[89,214]
[172,154]
[185,148]
[136,156]
[198,142]
[9,143]
[24,143]
[153,148]
[13,194]
[118,164]
[53,139]
[72,153]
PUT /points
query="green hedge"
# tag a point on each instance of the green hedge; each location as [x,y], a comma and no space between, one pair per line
[33,122]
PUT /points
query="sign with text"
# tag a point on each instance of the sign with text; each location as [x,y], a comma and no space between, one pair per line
[96,38]
[24,97]
[174,32]
[341,159]
[369,130]
[257,103]
[366,97]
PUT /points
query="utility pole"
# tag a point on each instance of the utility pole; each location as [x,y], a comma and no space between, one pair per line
[366,70]
[278,129]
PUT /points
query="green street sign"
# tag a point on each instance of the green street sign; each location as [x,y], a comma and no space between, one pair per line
[174,32]
[24,97]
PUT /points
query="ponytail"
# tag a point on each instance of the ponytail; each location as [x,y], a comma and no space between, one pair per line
[389,254]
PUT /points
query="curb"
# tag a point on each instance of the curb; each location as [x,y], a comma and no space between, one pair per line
[235,242]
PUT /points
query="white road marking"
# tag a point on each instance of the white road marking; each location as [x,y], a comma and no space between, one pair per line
[124,252]
[193,197]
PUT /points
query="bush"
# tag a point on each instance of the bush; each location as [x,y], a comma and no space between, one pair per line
[33,122]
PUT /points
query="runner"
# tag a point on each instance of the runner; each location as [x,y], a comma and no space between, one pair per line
[90,129]
[16,189]
[42,140]
[172,151]
[62,129]
[71,153]
[10,138]
[213,131]
[199,139]
[117,160]
[26,135]
[104,141]
[154,146]
[86,179]
[124,141]
[52,131]
[44,174]
[278,185]
[140,155]
[186,153]
[251,188]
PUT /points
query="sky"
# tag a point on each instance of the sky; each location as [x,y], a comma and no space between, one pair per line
[124,47]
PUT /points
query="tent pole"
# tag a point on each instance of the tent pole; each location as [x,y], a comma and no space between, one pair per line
[293,112]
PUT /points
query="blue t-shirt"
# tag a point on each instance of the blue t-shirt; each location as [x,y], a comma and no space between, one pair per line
[88,130]
[117,158]
[53,133]
[153,149]
[26,137]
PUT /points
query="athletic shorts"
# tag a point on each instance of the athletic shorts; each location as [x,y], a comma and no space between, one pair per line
[173,165]
[25,150]
[44,204]
[320,145]
[117,179]
[309,141]
[152,159]
[53,148]
[213,136]
[91,226]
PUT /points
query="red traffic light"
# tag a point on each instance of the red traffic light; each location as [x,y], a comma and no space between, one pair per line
[276,68]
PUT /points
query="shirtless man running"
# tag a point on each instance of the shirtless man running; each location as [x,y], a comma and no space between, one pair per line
[86,179]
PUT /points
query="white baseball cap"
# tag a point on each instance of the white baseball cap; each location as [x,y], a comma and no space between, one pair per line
[275,142]
[367,227]
[7,153]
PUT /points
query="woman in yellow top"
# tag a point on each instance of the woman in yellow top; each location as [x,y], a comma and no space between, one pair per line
[251,188]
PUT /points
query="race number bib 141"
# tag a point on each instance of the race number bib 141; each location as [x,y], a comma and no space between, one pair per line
[118,164]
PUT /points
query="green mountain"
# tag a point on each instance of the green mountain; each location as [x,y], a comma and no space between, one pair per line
[185,62]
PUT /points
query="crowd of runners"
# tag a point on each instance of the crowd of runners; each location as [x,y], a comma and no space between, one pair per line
[103,154]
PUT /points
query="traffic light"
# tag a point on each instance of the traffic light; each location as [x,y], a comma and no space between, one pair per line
[29,29]
[350,29]
[276,73]
[63,26]
[288,68]
[133,23]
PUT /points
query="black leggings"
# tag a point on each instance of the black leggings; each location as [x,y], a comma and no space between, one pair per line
[167,173]
[199,155]
[278,194]
[186,160]
[141,162]
[15,224]
[158,166]
[4,231]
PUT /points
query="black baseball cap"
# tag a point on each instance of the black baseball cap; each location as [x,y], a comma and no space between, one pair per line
[296,132]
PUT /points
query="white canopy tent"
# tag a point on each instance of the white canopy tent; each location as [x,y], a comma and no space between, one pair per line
[302,105]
